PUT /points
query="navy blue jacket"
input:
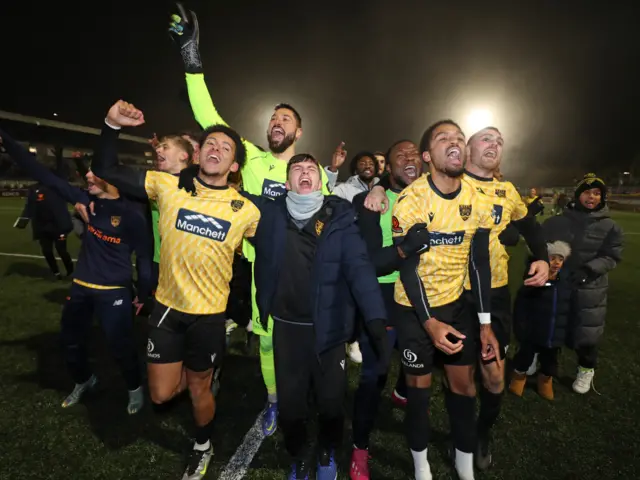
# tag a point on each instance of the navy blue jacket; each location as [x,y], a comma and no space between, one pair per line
[541,314]
[118,228]
[342,276]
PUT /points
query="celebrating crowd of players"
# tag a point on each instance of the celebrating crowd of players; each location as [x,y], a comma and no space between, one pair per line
[392,258]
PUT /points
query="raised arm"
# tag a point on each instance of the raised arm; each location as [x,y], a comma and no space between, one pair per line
[130,181]
[185,31]
[28,163]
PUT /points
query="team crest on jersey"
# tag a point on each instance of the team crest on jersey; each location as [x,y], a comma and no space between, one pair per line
[501,193]
[273,189]
[115,220]
[236,205]
[431,216]
[496,214]
[395,225]
[465,211]
[319,227]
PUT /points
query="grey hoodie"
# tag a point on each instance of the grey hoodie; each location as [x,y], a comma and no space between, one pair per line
[349,189]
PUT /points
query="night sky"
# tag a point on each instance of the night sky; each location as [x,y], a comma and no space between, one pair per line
[562,79]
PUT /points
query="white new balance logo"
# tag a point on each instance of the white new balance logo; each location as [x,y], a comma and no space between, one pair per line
[204,219]
[117,303]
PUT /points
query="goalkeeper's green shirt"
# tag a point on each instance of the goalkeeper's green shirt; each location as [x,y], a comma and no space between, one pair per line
[262,174]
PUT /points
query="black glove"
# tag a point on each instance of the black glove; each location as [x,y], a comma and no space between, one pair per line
[378,336]
[535,207]
[185,32]
[186,178]
[581,276]
[416,240]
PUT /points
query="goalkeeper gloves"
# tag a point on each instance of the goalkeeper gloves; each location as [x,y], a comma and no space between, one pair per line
[184,30]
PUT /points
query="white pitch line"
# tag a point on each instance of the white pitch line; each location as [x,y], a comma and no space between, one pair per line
[24,255]
[239,463]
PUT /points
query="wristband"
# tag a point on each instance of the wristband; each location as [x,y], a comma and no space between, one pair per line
[485,318]
[111,126]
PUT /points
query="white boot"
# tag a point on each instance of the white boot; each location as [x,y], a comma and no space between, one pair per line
[584,380]
[354,352]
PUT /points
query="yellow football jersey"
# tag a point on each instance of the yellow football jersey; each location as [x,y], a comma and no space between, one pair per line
[452,221]
[506,206]
[199,237]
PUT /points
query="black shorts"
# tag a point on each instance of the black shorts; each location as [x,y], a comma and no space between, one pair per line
[500,316]
[196,340]
[417,352]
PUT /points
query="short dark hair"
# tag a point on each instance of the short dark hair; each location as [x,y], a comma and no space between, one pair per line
[387,156]
[354,161]
[241,152]
[299,158]
[295,112]
[182,144]
[425,141]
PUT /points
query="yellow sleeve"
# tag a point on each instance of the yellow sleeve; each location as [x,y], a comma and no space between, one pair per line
[519,210]
[485,213]
[253,225]
[156,182]
[406,213]
[205,111]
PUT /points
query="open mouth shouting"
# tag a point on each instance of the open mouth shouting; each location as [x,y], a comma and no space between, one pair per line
[305,184]
[490,153]
[454,155]
[411,171]
[277,134]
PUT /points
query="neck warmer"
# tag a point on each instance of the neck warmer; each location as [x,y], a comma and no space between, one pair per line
[303,207]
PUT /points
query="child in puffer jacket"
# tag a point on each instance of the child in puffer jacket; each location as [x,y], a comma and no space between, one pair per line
[541,317]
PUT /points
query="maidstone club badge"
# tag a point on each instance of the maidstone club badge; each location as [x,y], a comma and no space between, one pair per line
[395,225]
[501,193]
[465,211]
[236,205]
[319,227]
[115,221]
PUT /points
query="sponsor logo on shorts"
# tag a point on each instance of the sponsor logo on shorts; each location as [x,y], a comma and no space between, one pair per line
[441,239]
[202,225]
[273,189]
[150,348]
[409,359]
[342,364]
[213,357]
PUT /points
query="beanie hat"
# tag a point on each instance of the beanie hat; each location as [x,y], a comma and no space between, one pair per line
[559,248]
[589,181]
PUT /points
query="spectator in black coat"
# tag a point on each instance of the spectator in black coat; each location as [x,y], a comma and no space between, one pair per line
[51,223]
[540,320]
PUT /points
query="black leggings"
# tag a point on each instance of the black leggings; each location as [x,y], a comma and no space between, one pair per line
[299,371]
[548,358]
[47,244]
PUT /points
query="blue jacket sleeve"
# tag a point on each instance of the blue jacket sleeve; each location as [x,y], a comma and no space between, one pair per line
[28,163]
[128,180]
[361,276]
[142,244]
